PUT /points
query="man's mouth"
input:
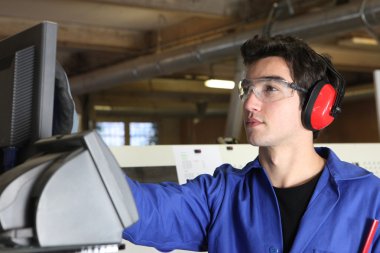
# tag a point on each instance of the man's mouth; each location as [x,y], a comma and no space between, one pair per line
[252,122]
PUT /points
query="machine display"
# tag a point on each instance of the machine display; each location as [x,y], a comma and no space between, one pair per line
[71,195]
[63,193]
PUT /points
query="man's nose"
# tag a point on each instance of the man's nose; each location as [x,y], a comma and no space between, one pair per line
[252,102]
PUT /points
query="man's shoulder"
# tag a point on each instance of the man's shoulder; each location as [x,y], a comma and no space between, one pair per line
[232,170]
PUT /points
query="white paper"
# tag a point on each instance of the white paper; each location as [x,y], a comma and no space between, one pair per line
[193,160]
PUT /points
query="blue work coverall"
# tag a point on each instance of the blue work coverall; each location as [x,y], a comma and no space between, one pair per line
[236,211]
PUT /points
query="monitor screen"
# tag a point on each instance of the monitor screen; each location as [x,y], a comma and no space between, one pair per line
[27,72]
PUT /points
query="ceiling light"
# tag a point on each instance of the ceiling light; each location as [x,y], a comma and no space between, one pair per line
[220,84]
[102,108]
[364,41]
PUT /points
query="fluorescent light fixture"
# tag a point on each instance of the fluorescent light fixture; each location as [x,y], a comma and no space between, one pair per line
[102,108]
[220,84]
[365,41]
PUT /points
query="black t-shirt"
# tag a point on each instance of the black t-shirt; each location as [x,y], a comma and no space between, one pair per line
[293,202]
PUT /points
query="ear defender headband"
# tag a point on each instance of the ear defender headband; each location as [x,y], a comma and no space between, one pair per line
[323,100]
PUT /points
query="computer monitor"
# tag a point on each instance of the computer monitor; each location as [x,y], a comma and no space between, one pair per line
[27,71]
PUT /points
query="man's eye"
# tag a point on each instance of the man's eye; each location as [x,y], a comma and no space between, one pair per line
[269,89]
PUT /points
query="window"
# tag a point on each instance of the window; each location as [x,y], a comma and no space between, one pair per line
[113,133]
[143,133]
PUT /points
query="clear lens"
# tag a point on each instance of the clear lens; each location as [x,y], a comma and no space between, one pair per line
[266,89]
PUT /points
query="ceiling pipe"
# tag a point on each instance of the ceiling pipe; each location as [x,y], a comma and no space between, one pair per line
[340,19]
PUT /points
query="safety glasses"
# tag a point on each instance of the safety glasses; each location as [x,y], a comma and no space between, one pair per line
[268,89]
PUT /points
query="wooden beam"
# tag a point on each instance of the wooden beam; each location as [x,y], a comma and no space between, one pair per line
[101,38]
[354,59]
[186,33]
[11,26]
[83,36]
[205,7]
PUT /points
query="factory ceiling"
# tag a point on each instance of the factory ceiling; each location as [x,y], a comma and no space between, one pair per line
[146,57]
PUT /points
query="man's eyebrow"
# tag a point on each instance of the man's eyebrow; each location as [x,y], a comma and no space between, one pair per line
[273,77]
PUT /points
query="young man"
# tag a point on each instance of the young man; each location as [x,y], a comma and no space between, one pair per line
[292,197]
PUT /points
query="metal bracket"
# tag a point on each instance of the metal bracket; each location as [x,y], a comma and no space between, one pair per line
[270,20]
[272,16]
[367,25]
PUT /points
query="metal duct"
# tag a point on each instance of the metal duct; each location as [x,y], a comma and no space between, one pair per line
[337,20]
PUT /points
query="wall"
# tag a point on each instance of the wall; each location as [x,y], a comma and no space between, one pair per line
[203,130]
[357,123]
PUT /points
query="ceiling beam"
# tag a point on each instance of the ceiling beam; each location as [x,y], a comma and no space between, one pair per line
[83,36]
[206,7]
[102,38]
[11,26]
[347,58]
[186,33]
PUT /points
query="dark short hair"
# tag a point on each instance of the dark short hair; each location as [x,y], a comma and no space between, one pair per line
[305,65]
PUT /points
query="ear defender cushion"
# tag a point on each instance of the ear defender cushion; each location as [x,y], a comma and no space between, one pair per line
[317,111]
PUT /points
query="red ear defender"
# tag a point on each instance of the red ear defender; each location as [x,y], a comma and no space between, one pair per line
[317,113]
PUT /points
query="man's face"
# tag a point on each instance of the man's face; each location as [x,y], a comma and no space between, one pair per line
[272,123]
